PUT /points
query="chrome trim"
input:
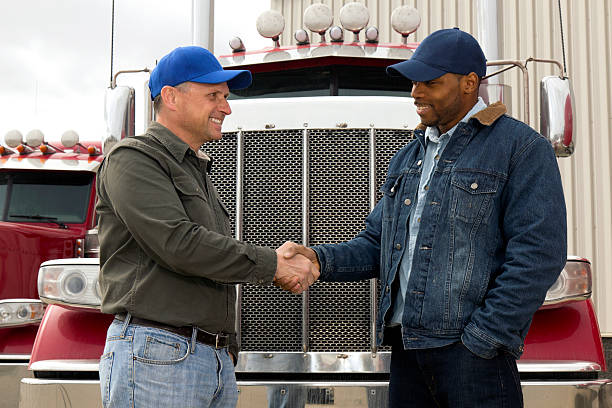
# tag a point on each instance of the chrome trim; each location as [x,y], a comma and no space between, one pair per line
[239,223]
[72,261]
[10,377]
[65,365]
[25,357]
[305,233]
[39,162]
[559,366]
[372,182]
[62,303]
[295,362]
[86,393]
[291,53]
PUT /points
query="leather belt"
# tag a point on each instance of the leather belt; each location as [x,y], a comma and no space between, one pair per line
[218,340]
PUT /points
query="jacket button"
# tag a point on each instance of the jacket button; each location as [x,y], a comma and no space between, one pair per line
[474,186]
[387,289]
[419,162]
[393,189]
[407,201]
[426,188]
[398,246]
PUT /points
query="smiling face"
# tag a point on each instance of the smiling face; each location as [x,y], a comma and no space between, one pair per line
[201,109]
[444,101]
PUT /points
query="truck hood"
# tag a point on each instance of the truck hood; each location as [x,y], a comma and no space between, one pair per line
[23,247]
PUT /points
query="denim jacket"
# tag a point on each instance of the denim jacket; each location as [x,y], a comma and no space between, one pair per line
[492,238]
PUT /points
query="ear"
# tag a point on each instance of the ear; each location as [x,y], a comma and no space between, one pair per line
[169,97]
[470,83]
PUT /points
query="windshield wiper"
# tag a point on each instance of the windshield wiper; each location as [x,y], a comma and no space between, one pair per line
[41,218]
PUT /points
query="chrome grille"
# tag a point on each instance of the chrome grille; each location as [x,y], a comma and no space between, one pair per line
[339,313]
[271,317]
[339,174]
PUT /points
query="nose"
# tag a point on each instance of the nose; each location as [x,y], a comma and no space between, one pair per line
[417,89]
[224,107]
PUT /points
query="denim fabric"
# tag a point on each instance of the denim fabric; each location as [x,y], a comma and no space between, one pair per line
[491,243]
[147,367]
[434,147]
[453,377]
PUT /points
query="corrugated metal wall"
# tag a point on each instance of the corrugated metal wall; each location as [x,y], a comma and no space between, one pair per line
[532,28]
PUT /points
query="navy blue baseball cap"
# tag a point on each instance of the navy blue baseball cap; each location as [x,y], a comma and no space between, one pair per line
[443,51]
[194,64]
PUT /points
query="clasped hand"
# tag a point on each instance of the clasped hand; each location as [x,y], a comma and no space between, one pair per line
[297,267]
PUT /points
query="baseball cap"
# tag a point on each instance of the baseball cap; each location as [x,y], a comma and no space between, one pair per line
[194,64]
[443,51]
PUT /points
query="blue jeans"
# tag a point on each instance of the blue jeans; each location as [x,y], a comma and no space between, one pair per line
[148,367]
[453,377]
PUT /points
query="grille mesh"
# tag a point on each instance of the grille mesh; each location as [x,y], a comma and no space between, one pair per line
[339,203]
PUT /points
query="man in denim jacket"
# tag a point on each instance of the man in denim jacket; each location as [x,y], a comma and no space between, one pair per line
[468,237]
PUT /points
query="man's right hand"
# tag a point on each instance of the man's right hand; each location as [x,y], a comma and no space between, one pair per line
[297,267]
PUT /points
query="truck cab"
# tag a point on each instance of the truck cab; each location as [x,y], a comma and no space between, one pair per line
[302,158]
[46,211]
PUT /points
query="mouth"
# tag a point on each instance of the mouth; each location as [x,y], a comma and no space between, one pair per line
[422,108]
[217,121]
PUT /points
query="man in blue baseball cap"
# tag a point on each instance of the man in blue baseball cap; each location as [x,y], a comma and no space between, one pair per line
[468,237]
[168,262]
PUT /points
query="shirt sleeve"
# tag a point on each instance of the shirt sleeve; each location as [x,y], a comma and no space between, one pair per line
[145,200]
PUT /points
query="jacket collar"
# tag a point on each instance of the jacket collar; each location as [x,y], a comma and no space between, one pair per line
[486,117]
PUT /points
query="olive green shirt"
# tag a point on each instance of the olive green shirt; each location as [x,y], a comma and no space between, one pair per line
[166,253]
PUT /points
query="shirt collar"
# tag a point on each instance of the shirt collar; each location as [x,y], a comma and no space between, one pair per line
[175,146]
[433,134]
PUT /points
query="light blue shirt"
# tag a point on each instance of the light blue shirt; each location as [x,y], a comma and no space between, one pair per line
[435,144]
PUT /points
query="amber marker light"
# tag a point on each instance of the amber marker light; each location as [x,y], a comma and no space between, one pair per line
[93,150]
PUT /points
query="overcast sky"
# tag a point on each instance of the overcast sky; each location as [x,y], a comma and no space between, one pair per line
[56,55]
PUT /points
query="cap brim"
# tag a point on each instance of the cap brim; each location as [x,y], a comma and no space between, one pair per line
[236,79]
[414,70]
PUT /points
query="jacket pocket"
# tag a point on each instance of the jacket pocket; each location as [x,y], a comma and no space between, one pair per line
[186,187]
[472,194]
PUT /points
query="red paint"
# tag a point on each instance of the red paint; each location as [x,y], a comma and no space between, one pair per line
[71,334]
[569,332]
[25,245]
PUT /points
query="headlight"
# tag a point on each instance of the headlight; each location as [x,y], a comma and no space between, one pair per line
[20,312]
[574,283]
[70,281]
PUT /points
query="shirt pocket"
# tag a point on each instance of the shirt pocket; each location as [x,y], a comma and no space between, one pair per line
[193,199]
[389,190]
[472,194]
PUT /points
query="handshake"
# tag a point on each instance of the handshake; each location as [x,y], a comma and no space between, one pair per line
[297,267]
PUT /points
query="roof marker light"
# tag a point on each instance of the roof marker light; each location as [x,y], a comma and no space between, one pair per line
[93,150]
[236,44]
[318,18]
[354,17]
[336,33]
[24,149]
[5,150]
[301,36]
[371,34]
[13,138]
[35,138]
[270,24]
[405,20]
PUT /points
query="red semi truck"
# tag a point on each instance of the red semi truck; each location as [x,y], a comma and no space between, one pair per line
[302,158]
[46,209]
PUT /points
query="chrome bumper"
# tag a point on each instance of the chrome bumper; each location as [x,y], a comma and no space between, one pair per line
[572,394]
[10,375]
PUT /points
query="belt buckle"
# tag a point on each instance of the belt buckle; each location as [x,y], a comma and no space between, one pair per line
[217,341]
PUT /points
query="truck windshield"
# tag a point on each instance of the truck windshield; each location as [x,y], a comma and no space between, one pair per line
[335,80]
[44,197]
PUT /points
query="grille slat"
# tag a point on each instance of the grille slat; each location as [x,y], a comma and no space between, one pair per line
[272,214]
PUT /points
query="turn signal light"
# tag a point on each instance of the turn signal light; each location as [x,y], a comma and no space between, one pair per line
[574,283]
[20,312]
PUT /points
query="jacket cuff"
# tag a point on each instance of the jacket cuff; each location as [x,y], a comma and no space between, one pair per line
[265,267]
[485,346]
[325,261]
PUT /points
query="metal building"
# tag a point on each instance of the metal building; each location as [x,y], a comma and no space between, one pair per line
[526,29]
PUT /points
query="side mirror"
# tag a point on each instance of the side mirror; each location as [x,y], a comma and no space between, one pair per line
[119,114]
[557,114]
